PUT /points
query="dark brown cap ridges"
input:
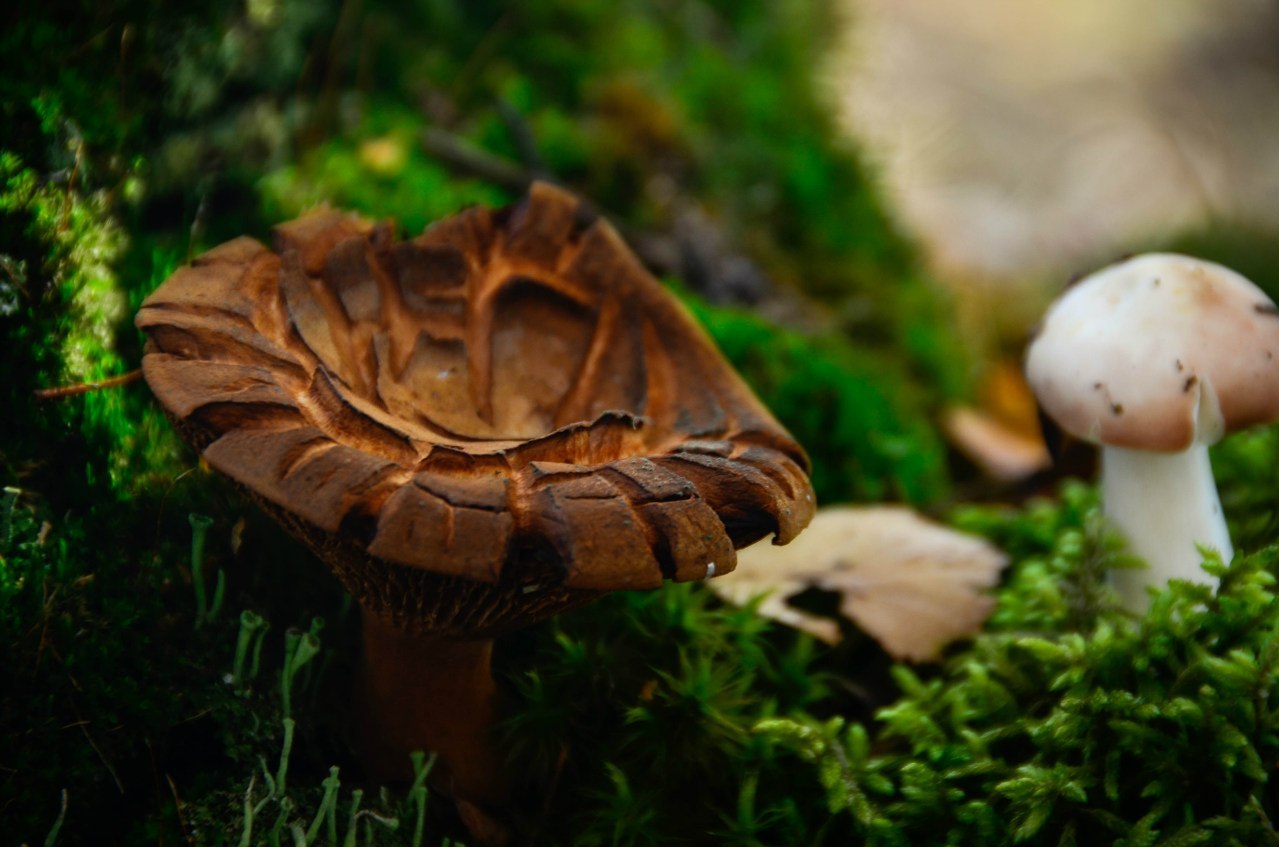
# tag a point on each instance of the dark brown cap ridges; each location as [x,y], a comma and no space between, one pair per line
[508,399]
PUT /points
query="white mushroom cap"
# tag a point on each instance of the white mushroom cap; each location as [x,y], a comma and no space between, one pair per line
[1158,352]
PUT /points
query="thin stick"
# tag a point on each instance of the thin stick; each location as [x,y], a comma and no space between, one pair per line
[461,155]
[87,387]
[177,805]
[102,757]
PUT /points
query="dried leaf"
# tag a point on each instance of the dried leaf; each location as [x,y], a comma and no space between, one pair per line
[911,584]
[1001,436]
[1001,452]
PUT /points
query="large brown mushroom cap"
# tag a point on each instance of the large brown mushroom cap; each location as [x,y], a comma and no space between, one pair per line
[477,427]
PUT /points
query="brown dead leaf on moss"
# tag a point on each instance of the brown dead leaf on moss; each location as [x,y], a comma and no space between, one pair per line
[1001,435]
[911,584]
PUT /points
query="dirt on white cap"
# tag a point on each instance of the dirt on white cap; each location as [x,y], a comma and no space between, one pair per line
[1158,352]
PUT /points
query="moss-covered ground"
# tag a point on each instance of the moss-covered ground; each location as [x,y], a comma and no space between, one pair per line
[175,670]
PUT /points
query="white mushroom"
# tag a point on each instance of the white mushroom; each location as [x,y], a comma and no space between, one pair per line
[1156,358]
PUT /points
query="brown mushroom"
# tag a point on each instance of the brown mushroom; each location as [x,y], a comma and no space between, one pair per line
[475,429]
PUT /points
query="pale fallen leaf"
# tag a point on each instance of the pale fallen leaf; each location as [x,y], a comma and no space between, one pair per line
[1001,452]
[1001,436]
[911,584]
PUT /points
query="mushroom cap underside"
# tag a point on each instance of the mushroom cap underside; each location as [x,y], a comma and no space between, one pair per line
[509,399]
[1158,352]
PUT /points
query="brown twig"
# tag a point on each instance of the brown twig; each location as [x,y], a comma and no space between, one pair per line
[200,714]
[46,605]
[463,156]
[87,387]
[82,724]
[177,802]
[517,127]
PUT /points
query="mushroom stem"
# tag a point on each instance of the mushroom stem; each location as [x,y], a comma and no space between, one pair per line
[422,692]
[1165,504]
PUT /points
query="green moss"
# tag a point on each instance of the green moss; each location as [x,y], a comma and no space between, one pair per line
[378,169]
[75,699]
[1070,722]
[863,423]
[1243,465]
[639,708]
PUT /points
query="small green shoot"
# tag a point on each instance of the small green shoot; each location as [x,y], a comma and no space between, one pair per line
[326,815]
[418,793]
[299,649]
[370,817]
[352,820]
[251,810]
[52,838]
[219,594]
[280,784]
[199,530]
[281,820]
[249,642]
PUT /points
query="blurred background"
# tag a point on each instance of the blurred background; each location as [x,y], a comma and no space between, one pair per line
[1023,143]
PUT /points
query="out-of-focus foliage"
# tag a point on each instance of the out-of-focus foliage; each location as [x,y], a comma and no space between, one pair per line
[379,169]
[717,95]
[69,592]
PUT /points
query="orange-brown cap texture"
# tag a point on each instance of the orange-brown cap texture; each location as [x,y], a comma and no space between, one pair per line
[476,427]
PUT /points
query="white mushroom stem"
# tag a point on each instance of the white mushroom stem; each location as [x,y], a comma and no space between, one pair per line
[1165,504]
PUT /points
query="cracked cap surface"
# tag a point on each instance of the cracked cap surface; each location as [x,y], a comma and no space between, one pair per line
[507,407]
